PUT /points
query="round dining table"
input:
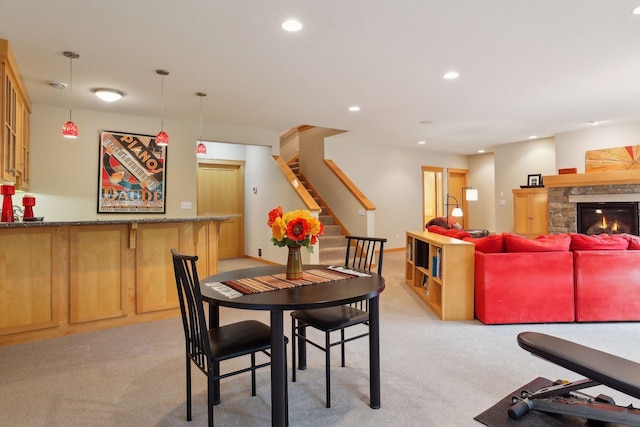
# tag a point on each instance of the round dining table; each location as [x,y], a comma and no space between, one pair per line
[317,295]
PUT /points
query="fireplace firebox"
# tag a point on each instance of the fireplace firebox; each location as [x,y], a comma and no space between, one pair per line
[607,218]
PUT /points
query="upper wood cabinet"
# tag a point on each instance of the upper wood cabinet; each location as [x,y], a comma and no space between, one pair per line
[15,117]
[530,211]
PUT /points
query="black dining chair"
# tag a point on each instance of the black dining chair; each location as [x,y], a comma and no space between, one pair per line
[207,347]
[364,254]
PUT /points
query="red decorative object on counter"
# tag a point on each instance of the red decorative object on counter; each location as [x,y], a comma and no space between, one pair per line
[7,190]
[28,201]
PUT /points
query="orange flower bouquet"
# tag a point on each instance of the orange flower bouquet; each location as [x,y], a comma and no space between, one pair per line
[294,228]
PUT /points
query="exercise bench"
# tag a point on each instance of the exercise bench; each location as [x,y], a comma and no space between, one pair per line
[563,398]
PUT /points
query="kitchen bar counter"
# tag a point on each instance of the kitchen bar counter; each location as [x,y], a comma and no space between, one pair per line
[61,278]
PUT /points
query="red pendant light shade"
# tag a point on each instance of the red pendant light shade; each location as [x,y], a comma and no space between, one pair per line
[70,130]
[201,149]
[162,139]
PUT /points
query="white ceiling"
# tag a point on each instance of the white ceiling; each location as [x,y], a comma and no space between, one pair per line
[527,67]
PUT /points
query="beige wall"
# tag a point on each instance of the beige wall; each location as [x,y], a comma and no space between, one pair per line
[513,162]
[64,172]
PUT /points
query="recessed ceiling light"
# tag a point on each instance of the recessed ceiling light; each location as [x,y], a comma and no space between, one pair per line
[594,123]
[636,11]
[480,151]
[58,85]
[422,142]
[292,25]
[108,95]
[354,108]
[533,136]
[451,75]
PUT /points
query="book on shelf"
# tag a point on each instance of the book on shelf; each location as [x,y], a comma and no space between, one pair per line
[425,283]
[439,256]
[410,251]
[435,265]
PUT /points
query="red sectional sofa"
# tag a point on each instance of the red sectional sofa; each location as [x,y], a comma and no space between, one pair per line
[556,278]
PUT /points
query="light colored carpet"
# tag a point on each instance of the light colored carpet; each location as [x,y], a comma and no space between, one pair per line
[434,373]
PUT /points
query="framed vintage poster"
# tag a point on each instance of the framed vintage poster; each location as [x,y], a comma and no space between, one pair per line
[132,174]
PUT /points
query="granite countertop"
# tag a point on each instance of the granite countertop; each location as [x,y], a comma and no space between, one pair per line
[30,224]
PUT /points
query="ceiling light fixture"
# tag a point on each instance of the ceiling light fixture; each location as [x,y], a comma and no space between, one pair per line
[201,149]
[58,85]
[292,25]
[70,130]
[162,139]
[108,95]
[636,11]
[354,108]
[422,142]
[451,75]
[533,136]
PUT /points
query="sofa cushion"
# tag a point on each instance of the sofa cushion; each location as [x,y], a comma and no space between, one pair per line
[634,242]
[492,243]
[548,243]
[598,242]
[456,234]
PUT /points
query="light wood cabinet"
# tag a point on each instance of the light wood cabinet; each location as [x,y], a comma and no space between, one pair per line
[15,113]
[59,278]
[440,270]
[530,211]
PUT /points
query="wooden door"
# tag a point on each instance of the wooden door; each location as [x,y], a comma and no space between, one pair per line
[221,192]
[431,193]
[456,182]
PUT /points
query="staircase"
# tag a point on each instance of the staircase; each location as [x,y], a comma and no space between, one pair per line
[333,244]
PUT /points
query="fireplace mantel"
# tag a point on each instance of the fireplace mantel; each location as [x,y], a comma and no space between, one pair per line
[593,178]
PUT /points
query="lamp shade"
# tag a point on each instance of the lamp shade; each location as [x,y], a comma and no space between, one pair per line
[70,130]
[471,194]
[457,212]
[201,149]
[162,139]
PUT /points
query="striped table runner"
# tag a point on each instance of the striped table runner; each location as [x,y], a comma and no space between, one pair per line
[236,288]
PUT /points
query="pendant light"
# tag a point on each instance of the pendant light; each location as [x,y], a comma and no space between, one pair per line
[162,139]
[70,130]
[201,149]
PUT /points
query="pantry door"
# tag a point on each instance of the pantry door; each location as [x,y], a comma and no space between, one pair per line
[221,193]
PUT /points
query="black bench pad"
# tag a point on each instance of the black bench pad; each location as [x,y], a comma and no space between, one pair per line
[616,372]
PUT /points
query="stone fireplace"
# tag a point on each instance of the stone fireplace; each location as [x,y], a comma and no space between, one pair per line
[567,191]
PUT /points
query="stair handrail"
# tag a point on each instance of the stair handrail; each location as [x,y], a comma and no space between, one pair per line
[297,186]
[359,195]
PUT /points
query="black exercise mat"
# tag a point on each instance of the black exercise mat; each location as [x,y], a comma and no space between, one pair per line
[496,416]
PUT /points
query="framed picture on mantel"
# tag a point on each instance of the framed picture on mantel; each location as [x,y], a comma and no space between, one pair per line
[132,174]
[534,180]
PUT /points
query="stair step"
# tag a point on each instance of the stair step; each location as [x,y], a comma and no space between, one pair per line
[332,230]
[326,219]
[332,256]
[333,242]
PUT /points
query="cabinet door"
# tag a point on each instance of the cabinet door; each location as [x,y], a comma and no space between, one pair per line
[539,210]
[9,136]
[521,213]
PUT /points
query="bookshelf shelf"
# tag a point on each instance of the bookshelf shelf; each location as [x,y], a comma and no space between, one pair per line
[440,271]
